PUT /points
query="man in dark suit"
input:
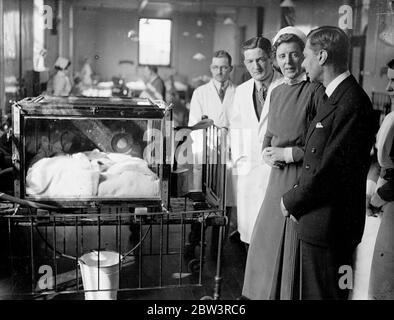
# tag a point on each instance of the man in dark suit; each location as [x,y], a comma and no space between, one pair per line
[328,202]
[155,87]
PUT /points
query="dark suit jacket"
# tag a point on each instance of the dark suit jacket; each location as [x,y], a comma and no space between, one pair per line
[329,199]
[160,87]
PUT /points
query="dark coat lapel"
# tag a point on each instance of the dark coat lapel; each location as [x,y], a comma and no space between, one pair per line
[332,103]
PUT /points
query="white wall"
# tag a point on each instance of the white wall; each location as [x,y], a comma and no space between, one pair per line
[102,33]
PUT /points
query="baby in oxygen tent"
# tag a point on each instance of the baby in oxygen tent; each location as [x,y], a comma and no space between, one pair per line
[92,174]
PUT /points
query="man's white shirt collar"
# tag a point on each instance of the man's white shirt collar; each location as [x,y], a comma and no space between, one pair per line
[217,84]
[277,81]
[298,79]
[336,82]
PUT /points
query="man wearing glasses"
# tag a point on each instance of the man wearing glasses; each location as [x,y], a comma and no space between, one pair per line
[215,97]
[212,100]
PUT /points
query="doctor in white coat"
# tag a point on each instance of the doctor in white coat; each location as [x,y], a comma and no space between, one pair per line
[249,109]
[213,100]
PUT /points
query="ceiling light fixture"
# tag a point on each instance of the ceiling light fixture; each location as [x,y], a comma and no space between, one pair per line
[228,21]
[142,5]
[198,56]
[199,20]
[287,4]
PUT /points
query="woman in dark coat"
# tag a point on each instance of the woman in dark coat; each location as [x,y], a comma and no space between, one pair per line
[292,103]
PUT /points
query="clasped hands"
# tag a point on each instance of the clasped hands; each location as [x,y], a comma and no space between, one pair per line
[374,204]
[274,157]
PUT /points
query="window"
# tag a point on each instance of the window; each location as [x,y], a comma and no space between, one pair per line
[154,42]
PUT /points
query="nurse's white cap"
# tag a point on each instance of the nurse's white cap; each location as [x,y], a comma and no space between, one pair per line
[62,63]
[290,30]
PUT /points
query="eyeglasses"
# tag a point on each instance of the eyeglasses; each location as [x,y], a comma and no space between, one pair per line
[221,68]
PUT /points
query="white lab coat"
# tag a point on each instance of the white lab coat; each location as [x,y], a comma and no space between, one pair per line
[251,172]
[206,101]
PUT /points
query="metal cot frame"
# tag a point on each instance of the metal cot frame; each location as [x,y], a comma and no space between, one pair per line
[51,228]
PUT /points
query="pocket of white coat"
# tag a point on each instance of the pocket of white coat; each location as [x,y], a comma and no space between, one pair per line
[242,166]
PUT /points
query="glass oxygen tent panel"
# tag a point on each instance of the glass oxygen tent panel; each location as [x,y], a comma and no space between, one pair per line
[88,158]
[89,149]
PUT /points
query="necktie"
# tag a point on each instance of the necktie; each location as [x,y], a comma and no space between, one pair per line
[325,98]
[262,93]
[221,93]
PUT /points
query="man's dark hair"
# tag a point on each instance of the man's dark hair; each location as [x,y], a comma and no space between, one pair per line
[390,64]
[333,40]
[222,54]
[257,42]
[153,68]
[287,38]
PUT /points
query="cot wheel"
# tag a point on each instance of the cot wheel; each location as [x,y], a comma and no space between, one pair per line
[194,265]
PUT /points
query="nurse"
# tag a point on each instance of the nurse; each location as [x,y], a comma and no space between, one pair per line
[291,107]
[381,285]
[61,81]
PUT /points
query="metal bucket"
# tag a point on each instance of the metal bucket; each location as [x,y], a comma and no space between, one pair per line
[100,274]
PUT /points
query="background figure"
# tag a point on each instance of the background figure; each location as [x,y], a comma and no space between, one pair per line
[61,81]
[362,258]
[6,181]
[291,106]
[77,88]
[250,172]
[381,285]
[155,88]
[328,201]
[39,63]
[180,112]
[86,74]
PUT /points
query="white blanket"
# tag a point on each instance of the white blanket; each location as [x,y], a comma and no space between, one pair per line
[92,174]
